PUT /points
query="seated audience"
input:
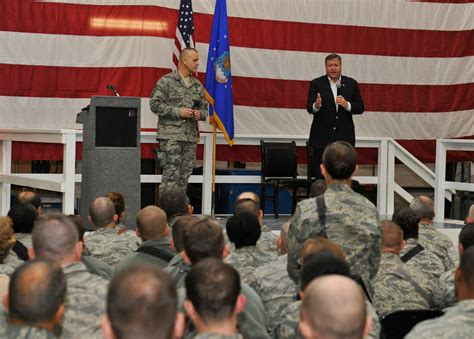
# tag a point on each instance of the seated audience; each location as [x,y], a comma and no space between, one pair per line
[155,249]
[428,236]
[214,299]
[458,321]
[333,307]
[55,238]
[105,242]
[203,238]
[447,296]
[320,256]
[8,259]
[340,214]
[243,230]
[142,303]
[413,254]
[94,265]
[250,202]
[398,286]
[34,305]
[175,203]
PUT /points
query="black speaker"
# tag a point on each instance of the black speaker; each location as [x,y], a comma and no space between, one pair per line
[116,127]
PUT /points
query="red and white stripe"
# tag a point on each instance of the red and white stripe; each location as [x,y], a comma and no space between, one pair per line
[414,60]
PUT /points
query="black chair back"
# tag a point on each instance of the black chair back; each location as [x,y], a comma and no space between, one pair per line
[279,159]
[398,324]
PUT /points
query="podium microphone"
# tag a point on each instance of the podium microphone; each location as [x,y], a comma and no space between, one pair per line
[111,87]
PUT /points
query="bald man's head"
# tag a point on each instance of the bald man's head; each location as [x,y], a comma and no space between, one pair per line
[392,236]
[249,195]
[334,307]
[152,223]
[102,212]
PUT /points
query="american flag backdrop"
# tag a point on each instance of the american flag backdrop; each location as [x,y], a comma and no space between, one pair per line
[184,30]
[414,61]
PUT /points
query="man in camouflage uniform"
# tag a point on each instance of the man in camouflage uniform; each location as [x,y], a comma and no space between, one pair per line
[447,297]
[428,236]
[267,241]
[142,302]
[155,248]
[396,285]
[243,230]
[203,238]
[424,261]
[458,321]
[350,219]
[214,299]
[272,283]
[55,238]
[105,243]
[315,264]
[178,100]
[333,307]
[35,301]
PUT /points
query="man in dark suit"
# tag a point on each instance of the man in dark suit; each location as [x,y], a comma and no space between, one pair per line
[332,100]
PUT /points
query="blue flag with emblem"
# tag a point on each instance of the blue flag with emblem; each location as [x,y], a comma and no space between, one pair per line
[218,74]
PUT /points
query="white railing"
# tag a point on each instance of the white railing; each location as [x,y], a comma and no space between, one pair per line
[387,148]
[441,185]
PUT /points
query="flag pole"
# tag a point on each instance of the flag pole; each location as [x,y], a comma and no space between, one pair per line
[214,142]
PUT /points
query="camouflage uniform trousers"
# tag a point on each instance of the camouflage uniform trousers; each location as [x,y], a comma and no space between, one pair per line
[457,322]
[177,162]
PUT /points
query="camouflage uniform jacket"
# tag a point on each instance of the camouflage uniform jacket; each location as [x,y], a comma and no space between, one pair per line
[437,243]
[10,263]
[446,296]
[8,330]
[457,322]
[25,239]
[275,288]
[247,259]
[218,336]
[425,261]
[138,258]
[178,269]
[351,222]
[110,247]
[169,95]
[288,325]
[267,241]
[85,299]
[395,289]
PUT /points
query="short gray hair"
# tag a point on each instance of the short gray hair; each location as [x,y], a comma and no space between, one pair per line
[423,206]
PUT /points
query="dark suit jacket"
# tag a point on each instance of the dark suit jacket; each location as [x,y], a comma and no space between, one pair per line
[328,125]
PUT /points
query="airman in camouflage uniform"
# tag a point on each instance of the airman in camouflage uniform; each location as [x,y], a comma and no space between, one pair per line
[247,259]
[178,100]
[351,222]
[428,236]
[399,287]
[458,321]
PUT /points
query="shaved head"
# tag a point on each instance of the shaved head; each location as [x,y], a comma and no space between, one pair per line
[333,307]
[151,223]
[249,195]
[102,211]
